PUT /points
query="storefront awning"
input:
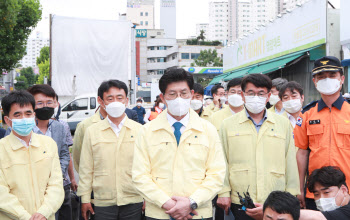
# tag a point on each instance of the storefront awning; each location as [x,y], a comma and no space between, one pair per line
[217,79]
[236,74]
[273,65]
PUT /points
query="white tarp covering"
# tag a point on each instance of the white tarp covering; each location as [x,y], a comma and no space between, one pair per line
[86,52]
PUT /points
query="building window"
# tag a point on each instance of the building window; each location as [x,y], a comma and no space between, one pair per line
[185,56]
[146,13]
[151,48]
[194,55]
[146,23]
[141,23]
[160,60]
[160,72]
[141,13]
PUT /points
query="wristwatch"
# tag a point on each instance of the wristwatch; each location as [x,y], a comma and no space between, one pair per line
[193,204]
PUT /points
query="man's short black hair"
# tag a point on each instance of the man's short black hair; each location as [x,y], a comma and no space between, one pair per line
[106,85]
[234,82]
[198,88]
[279,83]
[326,176]
[44,89]
[214,89]
[258,80]
[175,75]
[291,86]
[139,100]
[283,203]
[20,97]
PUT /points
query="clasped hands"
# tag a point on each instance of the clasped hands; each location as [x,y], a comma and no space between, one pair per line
[179,208]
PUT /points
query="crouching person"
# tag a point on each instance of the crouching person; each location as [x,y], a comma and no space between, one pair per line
[31,184]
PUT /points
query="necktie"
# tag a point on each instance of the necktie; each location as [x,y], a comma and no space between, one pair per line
[177,133]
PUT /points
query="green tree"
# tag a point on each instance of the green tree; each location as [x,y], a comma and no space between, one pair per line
[44,55]
[22,83]
[26,79]
[208,58]
[204,81]
[201,36]
[44,71]
[17,20]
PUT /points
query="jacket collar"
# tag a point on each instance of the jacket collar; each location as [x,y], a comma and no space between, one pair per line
[161,122]
[338,103]
[243,116]
[16,144]
[96,117]
[105,123]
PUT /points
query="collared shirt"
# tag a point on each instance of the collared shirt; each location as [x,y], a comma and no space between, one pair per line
[140,113]
[292,120]
[195,168]
[23,142]
[257,126]
[183,121]
[106,163]
[30,178]
[79,136]
[326,133]
[279,113]
[48,131]
[116,128]
[58,133]
[265,161]
[218,117]
[232,111]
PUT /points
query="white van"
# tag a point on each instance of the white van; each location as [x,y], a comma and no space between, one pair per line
[79,109]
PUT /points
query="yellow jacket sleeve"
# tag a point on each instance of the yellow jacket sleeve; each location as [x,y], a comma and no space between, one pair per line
[77,143]
[9,203]
[226,190]
[292,174]
[141,173]
[216,170]
[54,193]
[86,170]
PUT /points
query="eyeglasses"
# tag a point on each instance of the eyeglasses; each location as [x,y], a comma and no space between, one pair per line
[174,95]
[259,94]
[234,92]
[43,104]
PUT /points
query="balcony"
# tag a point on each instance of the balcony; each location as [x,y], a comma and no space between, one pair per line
[162,53]
[156,66]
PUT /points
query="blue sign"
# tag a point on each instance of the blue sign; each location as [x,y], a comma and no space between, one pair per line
[191,69]
[212,71]
[141,33]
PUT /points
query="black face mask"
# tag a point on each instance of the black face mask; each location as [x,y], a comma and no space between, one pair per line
[44,113]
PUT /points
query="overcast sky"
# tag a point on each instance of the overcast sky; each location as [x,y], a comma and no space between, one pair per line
[189,12]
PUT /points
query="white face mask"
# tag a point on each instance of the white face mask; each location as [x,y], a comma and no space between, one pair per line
[274,99]
[255,104]
[179,106]
[328,204]
[292,106]
[196,104]
[139,104]
[223,100]
[161,105]
[115,109]
[235,100]
[328,86]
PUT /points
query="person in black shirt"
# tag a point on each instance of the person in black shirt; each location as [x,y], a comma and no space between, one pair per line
[331,195]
